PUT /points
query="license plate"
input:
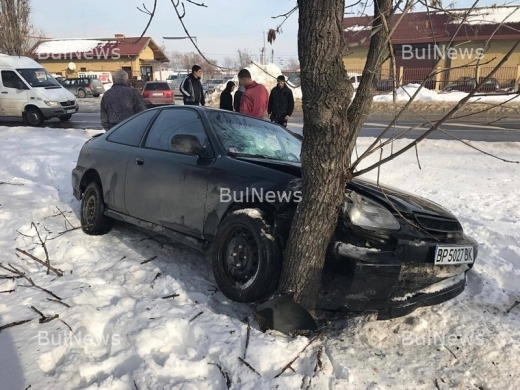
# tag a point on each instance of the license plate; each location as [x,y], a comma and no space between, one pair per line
[157,94]
[446,255]
[71,111]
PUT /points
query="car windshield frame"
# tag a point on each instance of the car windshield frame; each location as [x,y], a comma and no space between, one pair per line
[29,75]
[245,136]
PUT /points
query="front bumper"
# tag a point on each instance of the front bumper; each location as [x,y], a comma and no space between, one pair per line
[55,112]
[393,283]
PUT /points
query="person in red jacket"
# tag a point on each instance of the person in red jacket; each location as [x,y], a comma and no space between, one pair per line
[255,99]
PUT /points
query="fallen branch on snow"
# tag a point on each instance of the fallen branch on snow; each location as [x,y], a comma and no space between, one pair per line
[224,374]
[44,318]
[248,366]
[150,259]
[14,324]
[198,315]
[288,366]
[49,267]
[43,245]
[20,273]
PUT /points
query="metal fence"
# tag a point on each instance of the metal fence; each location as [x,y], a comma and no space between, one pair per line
[440,78]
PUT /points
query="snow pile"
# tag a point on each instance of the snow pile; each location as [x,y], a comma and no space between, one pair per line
[262,74]
[144,312]
[405,92]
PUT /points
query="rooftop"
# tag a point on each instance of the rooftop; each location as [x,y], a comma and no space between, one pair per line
[97,47]
[441,26]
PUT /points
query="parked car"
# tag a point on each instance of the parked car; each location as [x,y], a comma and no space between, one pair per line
[157,93]
[467,84]
[385,85]
[389,251]
[84,86]
[508,86]
[29,92]
[210,85]
[175,81]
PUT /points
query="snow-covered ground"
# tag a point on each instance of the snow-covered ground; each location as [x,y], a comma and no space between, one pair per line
[404,93]
[126,334]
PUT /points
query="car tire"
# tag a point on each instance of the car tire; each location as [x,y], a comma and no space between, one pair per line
[247,258]
[65,117]
[33,117]
[93,221]
[82,94]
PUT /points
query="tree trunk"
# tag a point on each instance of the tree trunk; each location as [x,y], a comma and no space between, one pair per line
[325,153]
[329,138]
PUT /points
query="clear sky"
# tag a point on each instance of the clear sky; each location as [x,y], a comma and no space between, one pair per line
[222,28]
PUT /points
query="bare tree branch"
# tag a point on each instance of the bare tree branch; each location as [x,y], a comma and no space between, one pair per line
[47,265]
[152,14]
[20,273]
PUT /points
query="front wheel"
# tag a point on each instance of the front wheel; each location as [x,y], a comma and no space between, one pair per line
[93,221]
[33,117]
[247,259]
[65,117]
[82,94]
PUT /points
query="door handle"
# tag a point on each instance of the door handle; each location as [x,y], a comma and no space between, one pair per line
[5,92]
[139,161]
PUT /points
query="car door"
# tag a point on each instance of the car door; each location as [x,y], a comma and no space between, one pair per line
[66,85]
[112,161]
[13,94]
[165,185]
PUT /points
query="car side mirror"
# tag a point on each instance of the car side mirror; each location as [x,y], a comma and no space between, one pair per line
[187,143]
[20,85]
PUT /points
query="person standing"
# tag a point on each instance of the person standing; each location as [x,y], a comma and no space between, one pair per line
[120,102]
[226,99]
[191,88]
[238,96]
[281,102]
[255,99]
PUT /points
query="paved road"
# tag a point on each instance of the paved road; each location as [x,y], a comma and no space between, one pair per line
[505,130]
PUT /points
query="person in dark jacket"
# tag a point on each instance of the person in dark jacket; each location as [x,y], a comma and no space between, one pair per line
[281,102]
[120,102]
[226,99]
[191,88]
[238,95]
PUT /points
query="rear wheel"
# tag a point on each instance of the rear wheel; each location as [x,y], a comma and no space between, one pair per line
[93,221]
[33,116]
[82,94]
[247,259]
[65,117]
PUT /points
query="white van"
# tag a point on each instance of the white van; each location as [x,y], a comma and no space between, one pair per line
[28,91]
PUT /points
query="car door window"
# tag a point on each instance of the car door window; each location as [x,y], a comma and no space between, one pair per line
[172,122]
[11,80]
[131,132]
[66,83]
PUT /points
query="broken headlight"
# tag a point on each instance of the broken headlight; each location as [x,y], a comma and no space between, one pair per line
[367,214]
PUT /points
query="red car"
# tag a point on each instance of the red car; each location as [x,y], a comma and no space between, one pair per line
[158,93]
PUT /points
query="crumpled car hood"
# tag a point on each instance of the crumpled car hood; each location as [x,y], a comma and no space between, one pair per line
[403,201]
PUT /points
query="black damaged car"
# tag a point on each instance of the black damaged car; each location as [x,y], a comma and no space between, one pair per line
[227,184]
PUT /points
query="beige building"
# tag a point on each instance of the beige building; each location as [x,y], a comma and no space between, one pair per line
[74,57]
